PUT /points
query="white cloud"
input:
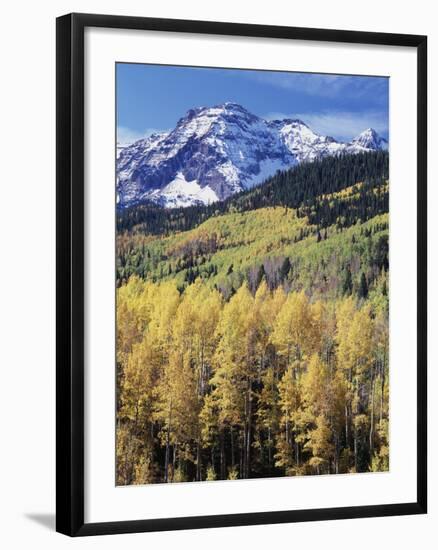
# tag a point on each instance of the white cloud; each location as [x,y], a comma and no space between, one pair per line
[342,125]
[126,136]
[324,85]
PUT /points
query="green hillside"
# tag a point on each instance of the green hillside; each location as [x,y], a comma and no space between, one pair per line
[296,188]
[278,244]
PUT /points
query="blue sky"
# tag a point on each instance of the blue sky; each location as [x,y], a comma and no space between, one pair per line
[154,97]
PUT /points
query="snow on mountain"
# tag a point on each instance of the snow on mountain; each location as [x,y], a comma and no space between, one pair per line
[304,143]
[214,152]
[181,192]
[120,147]
[370,139]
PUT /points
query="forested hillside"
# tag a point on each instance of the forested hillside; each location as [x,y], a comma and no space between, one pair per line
[292,188]
[253,333]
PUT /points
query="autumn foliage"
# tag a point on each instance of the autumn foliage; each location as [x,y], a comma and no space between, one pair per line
[266,383]
[252,334]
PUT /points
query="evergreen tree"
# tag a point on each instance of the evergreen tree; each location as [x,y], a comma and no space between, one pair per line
[347,286]
[363,286]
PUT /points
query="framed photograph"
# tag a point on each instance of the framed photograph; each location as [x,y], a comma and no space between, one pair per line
[241,274]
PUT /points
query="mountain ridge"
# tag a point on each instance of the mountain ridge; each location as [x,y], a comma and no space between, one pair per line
[215,152]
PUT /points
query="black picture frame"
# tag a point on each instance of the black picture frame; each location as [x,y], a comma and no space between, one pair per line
[70,273]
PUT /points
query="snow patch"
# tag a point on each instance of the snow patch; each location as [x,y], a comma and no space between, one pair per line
[268,168]
[181,193]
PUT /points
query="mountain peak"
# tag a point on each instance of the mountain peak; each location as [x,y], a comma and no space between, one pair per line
[370,139]
[232,105]
[201,120]
[368,132]
[290,121]
[217,110]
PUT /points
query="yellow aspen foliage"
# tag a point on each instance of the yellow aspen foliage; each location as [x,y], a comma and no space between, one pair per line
[294,330]
[290,401]
[320,444]
[257,385]
[315,386]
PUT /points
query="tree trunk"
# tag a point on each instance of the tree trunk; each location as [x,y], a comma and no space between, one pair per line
[198,459]
[222,449]
[382,387]
[347,435]
[355,449]
[242,449]
[287,445]
[167,455]
[371,439]
[269,449]
[248,438]
[174,460]
[232,448]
